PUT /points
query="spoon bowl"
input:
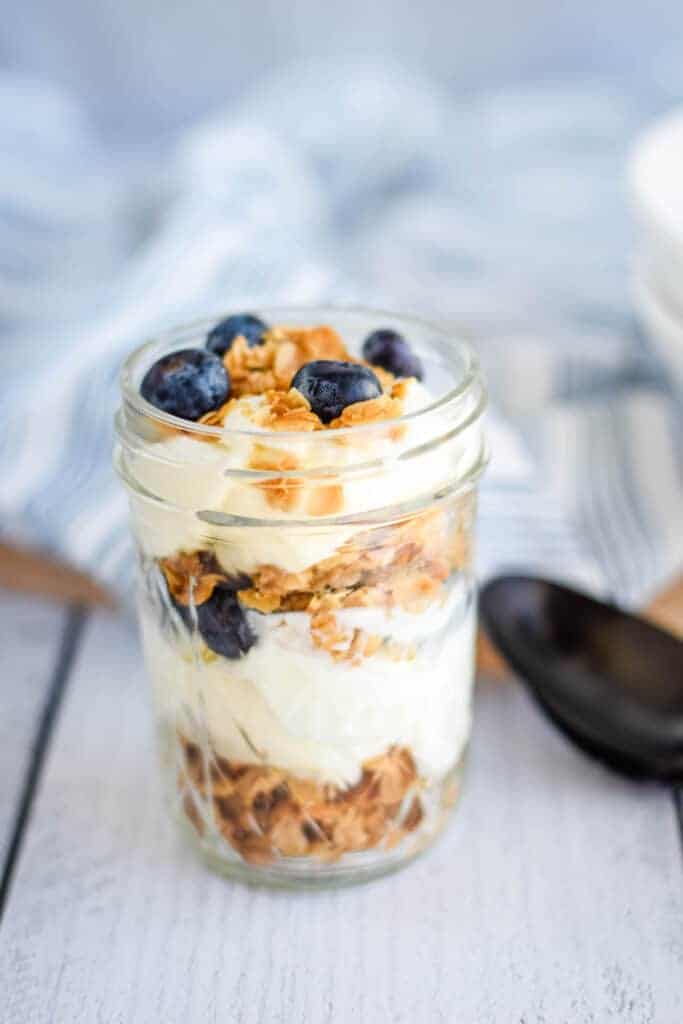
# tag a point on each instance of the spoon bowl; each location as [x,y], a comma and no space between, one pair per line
[611,681]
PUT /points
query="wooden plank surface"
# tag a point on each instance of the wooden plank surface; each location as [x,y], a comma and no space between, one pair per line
[35,572]
[555,896]
[30,632]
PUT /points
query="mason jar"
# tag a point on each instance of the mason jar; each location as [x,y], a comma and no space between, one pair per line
[307,608]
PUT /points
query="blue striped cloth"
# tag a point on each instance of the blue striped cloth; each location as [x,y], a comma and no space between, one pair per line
[346,183]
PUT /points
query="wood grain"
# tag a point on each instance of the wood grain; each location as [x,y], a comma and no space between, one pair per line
[555,896]
[34,572]
[30,630]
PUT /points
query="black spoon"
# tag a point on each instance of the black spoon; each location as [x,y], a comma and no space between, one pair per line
[611,681]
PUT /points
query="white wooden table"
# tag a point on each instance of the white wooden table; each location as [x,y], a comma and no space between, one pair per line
[556,896]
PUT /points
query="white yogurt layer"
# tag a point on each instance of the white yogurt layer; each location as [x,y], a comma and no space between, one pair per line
[291,706]
[201,486]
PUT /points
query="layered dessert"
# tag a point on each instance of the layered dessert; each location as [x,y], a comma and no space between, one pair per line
[303,508]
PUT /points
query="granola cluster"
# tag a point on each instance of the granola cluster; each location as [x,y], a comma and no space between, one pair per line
[267,370]
[402,566]
[265,813]
[284,350]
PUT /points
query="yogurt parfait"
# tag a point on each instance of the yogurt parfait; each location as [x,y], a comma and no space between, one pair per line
[302,487]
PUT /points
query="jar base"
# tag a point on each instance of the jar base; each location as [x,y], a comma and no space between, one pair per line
[309,873]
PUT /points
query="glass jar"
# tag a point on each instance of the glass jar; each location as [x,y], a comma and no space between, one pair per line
[307,608]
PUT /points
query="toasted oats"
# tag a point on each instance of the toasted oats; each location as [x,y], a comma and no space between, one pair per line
[255,849]
[286,362]
[191,578]
[399,388]
[325,500]
[305,792]
[287,830]
[216,417]
[294,601]
[281,492]
[289,410]
[296,421]
[319,342]
[325,633]
[402,565]
[264,457]
[372,643]
[374,410]
[399,652]
[416,591]
[265,603]
[273,364]
[327,600]
[414,816]
[264,812]
[353,645]
[269,368]
[286,401]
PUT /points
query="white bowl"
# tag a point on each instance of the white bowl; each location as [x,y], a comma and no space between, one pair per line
[656,186]
[662,323]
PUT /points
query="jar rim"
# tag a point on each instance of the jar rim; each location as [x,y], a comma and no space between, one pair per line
[447,343]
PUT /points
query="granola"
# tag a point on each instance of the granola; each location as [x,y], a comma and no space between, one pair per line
[403,566]
[265,813]
[268,369]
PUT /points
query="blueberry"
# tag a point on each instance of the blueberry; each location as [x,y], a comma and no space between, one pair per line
[220,338]
[187,383]
[331,385]
[223,624]
[390,350]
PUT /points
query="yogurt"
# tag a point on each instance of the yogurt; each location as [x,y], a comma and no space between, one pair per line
[288,704]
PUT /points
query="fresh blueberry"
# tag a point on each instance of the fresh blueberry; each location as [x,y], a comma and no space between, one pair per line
[223,624]
[331,385]
[187,383]
[390,350]
[220,338]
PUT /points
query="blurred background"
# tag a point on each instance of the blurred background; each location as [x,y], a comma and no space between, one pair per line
[466,161]
[147,68]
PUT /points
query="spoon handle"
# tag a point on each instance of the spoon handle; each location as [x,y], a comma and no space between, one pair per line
[665,610]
